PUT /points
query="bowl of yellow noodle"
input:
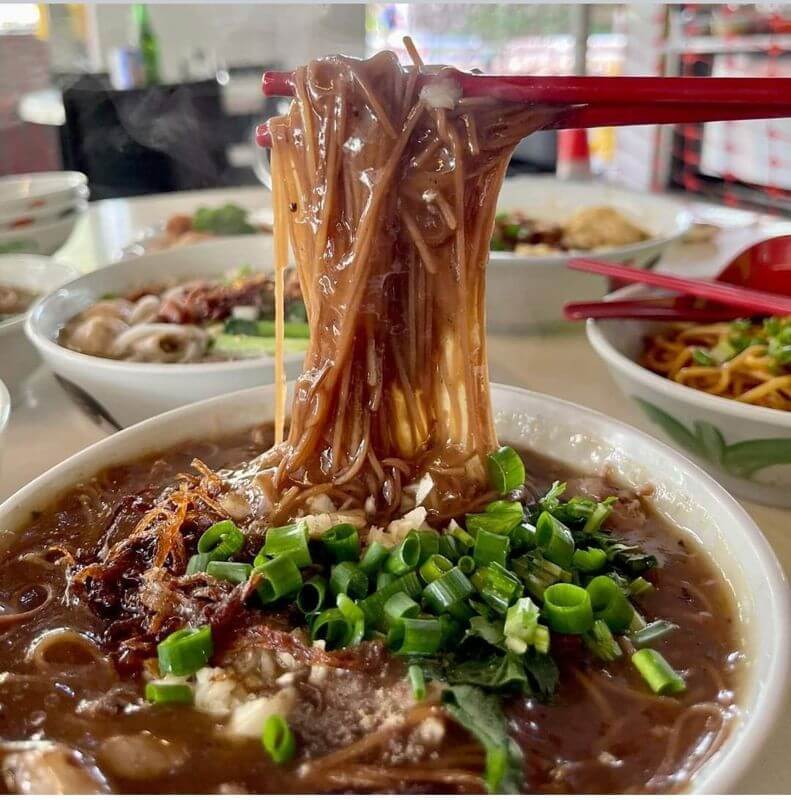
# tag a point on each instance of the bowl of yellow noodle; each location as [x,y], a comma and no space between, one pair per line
[720,392]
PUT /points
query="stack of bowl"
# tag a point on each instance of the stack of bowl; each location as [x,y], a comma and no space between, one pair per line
[38,211]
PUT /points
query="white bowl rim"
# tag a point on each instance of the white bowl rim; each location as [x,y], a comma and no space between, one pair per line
[71,179]
[770,691]
[684,220]
[5,408]
[18,320]
[601,344]
[44,227]
[45,344]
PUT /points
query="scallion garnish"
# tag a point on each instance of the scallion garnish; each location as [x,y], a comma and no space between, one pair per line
[373,558]
[348,578]
[230,571]
[448,589]
[288,540]
[429,544]
[405,557]
[185,651]
[640,586]
[657,673]
[567,608]
[418,681]
[222,540]
[609,603]
[416,637]
[198,563]
[333,627]
[278,739]
[592,559]
[491,547]
[398,606]
[354,616]
[280,578]
[600,641]
[342,543]
[435,567]
[506,470]
[521,622]
[555,540]
[653,632]
[162,693]
[311,595]
[467,565]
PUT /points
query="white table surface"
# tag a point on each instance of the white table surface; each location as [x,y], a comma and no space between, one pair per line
[46,427]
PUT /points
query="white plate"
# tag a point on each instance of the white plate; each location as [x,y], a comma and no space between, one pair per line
[39,189]
[684,494]
[526,293]
[131,392]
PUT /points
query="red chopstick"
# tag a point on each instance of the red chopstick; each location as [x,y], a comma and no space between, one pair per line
[612,115]
[575,89]
[727,294]
[647,310]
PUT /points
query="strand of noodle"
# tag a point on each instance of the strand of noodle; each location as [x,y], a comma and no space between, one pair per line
[419,161]
[596,695]
[698,595]
[472,134]
[376,106]
[420,242]
[14,618]
[307,119]
[759,392]
[413,53]
[340,418]
[447,212]
[633,694]
[281,259]
[713,710]
[382,777]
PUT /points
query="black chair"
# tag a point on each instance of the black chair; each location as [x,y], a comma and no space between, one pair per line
[141,141]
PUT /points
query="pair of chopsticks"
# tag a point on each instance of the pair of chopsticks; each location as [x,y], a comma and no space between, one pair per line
[592,102]
[733,300]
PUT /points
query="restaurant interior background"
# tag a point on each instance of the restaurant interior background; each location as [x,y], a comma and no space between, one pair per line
[71,90]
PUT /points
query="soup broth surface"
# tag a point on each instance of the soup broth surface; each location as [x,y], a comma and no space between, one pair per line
[603,732]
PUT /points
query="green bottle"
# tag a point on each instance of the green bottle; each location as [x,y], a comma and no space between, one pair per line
[148,44]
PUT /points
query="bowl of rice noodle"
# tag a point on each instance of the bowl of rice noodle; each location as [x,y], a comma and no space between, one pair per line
[528,284]
[364,494]
[164,364]
[719,391]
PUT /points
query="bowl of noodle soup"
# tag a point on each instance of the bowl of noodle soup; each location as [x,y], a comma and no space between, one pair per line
[526,291]
[745,444]
[130,391]
[682,494]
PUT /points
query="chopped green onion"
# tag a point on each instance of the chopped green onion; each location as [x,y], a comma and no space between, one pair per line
[162,693]
[501,516]
[498,586]
[448,547]
[538,573]
[567,608]
[429,544]
[448,589]
[199,562]
[521,621]
[523,537]
[280,578]
[597,518]
[451,632]
[467,565]
[418,681]
[278,739]
[466,542]
[551,500]
[637,622]
[640,586]
[541,639]
[491,547]
[348,578]
[230,571]
[373,558]
[222,540]
[185,651]
[600,641]
[289,540]
[405,557]
[434,567]
[354,616]
[609,603]
[333,627]
[654,631]
[702,358]
[555,540]
[657,673]
[591,560]
[384,578]
[506,470]
[373,605]
[342,543]
[416,637]
[310,597]
[398,606]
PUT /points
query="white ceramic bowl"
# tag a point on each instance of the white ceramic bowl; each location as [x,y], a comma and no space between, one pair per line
[5,415]
[37,190]
[19,220]
[43,238]
[526,294]
[38,274]
[685,495]
[130,392]
[747,448]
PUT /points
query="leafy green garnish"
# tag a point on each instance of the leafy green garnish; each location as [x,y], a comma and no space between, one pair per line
[482,715]
[227,220]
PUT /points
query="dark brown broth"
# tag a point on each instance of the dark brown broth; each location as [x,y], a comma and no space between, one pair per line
[563,742]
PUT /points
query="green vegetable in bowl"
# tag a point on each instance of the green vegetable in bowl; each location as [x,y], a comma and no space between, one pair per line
[227,220]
